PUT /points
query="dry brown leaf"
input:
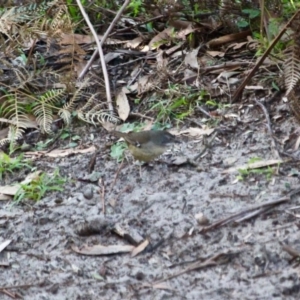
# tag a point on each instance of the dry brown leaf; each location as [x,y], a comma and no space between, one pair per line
[10,189]
[144,84]
[237,46]
[32,176]
[103,250]
[140,248]
[191,77]
[173,50]
[133,44]
[86,39]
[254,87]
[60,152]
[141,86]
[191,59]
[108,126]
[185,31]
[215,53]
[228,38]
[161,38]
[123,107]
[67,49]
[162,61]
[5,197]
[181,25]
[194,131]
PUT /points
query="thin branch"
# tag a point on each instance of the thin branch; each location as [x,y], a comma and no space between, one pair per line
[269,125]
[117,17]
[103,65]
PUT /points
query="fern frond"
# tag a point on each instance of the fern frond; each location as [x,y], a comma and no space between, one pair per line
[12,18]
[4,142]
[292,67]
[88,105]
[98,117]
[70,106]
[65,115]
[15,133]
[43,108]
[14,111]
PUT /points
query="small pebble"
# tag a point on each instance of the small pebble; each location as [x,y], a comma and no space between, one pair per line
[201,219]
[88,193]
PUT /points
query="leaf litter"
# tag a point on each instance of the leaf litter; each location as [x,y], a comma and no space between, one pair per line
[159,206]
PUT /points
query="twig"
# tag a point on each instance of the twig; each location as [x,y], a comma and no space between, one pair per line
[204,111]
[225,65]
[268,125]
[291,251]
[8,294]
[104,37]
[117,174]
[103,65]
[138,24]
[253,211]
[217,259]
[21,286]
[134,114]
[101,183]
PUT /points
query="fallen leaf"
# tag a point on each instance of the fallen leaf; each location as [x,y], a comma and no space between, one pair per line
[140,248]
[5,197]
[4,244]
[215,53]
[10,189]
[123,105]
[161,38]
[103,250]
[194,131]
[133,44]
[60,152]
[191,59]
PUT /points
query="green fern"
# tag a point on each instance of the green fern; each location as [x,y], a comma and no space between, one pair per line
[43,108]
[14,111]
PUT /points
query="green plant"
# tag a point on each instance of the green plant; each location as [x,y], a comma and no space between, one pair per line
[117,151]
[176,109]
[74,10]
[268,172]
[136,7]
[243,173]
[39,186]
[215,104]
[42,145]
[10,164]
[73,138]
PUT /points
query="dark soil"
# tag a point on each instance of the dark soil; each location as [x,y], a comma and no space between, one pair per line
[160,204]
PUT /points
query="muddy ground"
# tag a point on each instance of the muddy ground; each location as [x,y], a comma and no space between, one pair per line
[244,260]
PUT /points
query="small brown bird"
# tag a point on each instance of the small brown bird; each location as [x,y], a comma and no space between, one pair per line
[146,145]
